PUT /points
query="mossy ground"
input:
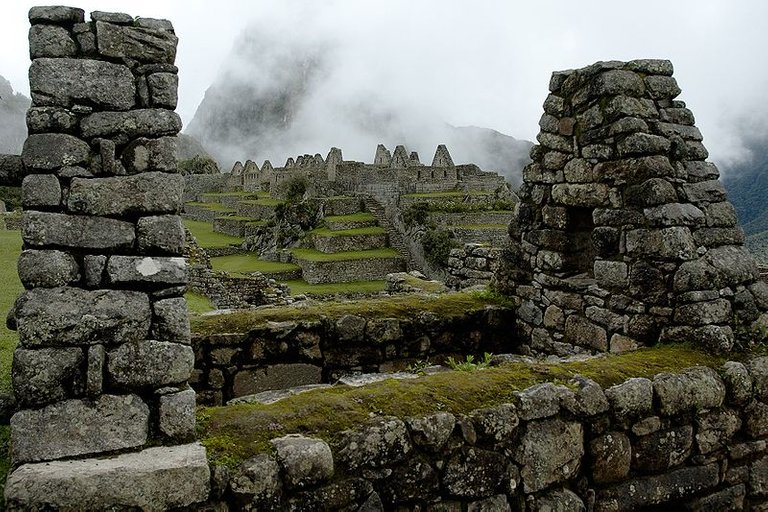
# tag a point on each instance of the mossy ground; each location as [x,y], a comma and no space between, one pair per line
[198,304]
[319,290]
[315,255]
[234,433]
[247,263]
[400,306]
[207,237]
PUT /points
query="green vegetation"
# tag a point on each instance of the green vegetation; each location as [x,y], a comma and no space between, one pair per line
[315,255]
[399,306]
[469,365]
[437,244]
[247,263]
[369,230]
[198,303]
[207,237]
[264,201]
[355,217]
[10,248]
[198,164]
[11,196]
[302,287]
[416,214]
[448,193]
[214,207]
[293,189]
[234,433]
[484,227]
[238,193]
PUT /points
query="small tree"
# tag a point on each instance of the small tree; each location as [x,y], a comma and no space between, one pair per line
[198,164]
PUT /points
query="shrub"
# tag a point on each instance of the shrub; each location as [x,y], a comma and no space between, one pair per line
[416,215]
[437,244]
[199,164]
[293,189]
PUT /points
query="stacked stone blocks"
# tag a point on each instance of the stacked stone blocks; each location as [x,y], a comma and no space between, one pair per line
[104,340]
[624,234]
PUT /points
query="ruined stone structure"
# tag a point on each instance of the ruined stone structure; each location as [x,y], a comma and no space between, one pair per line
[104,352]
[386,179]
[624,235]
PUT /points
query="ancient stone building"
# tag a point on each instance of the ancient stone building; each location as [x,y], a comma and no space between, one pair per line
[104,356]
[624,234]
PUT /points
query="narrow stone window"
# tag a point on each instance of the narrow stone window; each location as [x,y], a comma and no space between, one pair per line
[580,255]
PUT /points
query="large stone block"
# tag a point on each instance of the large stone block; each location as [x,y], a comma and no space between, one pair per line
[171,321]
[611,455]
[550,451]
[68,82]
[694,389]
[73,316]
[40,229]
[136,123]
[279,376]
[474,473]
[157,271]
[734,265]
[176,415]
[163,234]
[40,191]
[47,269]
[49,151]
[631,399]
[154,479]
[144,155]
[581,194]
[79,427]
[716,311]
[667,243]
[58,14]
[50,41]
[50,119]
[150,364]
[383,443]
[661,450]
[305,461]
[47,375]
[582,332]
[137,43]
[163,89]
[143,194]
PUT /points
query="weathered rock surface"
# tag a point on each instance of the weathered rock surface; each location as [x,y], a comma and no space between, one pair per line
[79,427]
[136,123]
[304,461]
[47,269]
[433,431]
[550,451]
[40,229]
[176,415]
[157,271]
[138,43]
[149,193]
[47,375]
[256,484]
[150,364]
[385,440]
[50,151]
[73,316]
[154,479]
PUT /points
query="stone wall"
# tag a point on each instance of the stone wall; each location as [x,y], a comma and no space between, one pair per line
[693,441]
[471,265]
[104,349]
[285,354]
[624,234]
[195,185]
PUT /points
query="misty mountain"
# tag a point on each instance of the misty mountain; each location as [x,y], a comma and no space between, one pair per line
[189,147]
[13,123]
[279,96]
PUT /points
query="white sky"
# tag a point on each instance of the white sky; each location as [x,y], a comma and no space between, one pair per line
[477,62]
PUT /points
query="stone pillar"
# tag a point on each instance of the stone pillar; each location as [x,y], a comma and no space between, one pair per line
[624,234]
[104,341]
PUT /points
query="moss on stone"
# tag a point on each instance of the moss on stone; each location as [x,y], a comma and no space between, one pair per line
[234,433]
[401,306]
[315,255]
[370,230]
[302,287]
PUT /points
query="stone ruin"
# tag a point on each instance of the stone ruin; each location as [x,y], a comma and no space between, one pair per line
[100,374]
[624,235]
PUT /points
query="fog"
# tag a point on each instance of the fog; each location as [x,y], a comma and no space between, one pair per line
[407,69]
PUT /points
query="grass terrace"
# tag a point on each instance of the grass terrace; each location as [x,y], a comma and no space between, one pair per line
[234,433]
[214,207]
[355,217]
[207,237]
[315,255]
[448,193]
[370,230]
[239,193]
[247,263]
[264,201]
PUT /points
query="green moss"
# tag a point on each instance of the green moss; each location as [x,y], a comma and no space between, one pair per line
[355,217]
[400,306]
[234,433]
[370,230]
[247,263]
[423,284]
[302,287]
[207,237]
[315,255]
[265,201]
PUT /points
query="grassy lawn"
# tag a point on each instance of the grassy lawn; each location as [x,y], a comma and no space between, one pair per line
[198,304]
[247,263]
[315,255]
[239,218]
[397,306]
[10,247]
[302,287]
[240,193]
[207,237]
[234,433]
[371,230]
[265,201]
[355,217]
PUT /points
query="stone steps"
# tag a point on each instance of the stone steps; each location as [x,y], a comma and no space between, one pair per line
[396,240]
[345,267]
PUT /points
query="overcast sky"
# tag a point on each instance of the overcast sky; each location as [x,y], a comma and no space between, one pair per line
[477,62]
